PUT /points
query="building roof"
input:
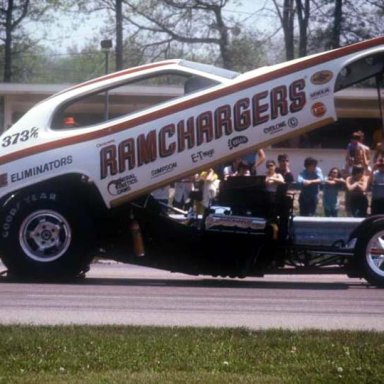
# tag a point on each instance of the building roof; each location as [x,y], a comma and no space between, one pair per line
[31,89]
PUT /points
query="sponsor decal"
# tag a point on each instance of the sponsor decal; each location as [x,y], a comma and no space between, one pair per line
[236,141]
[201,155]
[40,169]
[318,109]
[214,221]
[320,93]
[3,180]
[272,129]
[105,143]
[191,132]
[321,77]
[40,196]
[122,185]
[293,122]
[18,137]
[163,170]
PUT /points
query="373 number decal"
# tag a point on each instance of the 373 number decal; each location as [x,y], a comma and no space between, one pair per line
[20,136]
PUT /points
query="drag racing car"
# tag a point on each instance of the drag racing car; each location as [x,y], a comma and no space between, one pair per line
[76,180]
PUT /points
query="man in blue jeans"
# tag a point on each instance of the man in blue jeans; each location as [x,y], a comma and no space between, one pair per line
[310,180]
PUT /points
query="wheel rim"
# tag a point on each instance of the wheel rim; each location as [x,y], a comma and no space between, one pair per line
[375,253]
[45,235]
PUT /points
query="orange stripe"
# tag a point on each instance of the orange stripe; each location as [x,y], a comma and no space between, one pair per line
[334,54]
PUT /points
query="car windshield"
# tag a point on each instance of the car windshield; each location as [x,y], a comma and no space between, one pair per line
[128,98]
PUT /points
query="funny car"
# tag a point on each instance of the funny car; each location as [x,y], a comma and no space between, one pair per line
[78,169]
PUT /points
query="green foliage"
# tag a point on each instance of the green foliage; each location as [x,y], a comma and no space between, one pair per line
[360,20]
[174,29]
[44,66]
[76,66]
[247,52]
[114,354]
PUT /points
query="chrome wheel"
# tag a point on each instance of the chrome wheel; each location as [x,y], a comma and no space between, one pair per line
[45,235]
[375,253]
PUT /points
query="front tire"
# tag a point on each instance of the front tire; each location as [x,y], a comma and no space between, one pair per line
[46,235]
[370,253]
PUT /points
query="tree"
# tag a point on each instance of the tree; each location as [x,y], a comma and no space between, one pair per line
[327,24]
[12,12]
[197,22]
[337,24]
[113,10]
[379,5]
[342,22]
[13,15]
[303,14]
[74,67]
[286,14]
[247,52]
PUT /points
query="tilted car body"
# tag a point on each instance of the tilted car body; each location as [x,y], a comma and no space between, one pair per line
[67,192]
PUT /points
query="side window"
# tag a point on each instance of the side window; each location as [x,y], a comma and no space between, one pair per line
[126,99]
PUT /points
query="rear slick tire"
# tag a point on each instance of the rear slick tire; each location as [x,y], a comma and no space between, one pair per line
[45,235]
[370,253]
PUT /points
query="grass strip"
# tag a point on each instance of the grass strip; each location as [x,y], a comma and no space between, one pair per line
[118,354]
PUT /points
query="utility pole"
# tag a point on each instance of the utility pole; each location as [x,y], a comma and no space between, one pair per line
[106,45]
[119,35]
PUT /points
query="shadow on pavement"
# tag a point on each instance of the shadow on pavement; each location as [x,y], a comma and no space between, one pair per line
[263,283]
[266,282]
[225,283]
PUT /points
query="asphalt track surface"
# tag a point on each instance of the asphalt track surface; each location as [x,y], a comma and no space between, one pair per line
[115,293]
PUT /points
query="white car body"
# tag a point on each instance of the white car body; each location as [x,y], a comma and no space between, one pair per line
[245,112]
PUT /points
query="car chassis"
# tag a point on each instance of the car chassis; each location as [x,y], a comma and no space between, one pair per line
[240,238]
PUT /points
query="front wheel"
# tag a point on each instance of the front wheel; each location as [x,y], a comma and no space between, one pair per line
[46,235]
[370,253]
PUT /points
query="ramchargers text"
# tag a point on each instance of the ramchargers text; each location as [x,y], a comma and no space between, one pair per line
[209,125]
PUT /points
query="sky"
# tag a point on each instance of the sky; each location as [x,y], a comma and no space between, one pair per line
[70,31]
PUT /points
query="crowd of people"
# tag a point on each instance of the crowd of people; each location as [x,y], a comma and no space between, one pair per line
[359,176]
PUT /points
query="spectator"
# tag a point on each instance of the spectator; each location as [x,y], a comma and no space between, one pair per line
[284,169]
[254,160]
[379,151]
[358,154]
[356,192]
[273,179]
[377,183]
[242,169]
[367,154]
[310,180]
[209,182]
[183,189]
[332,185]
[378,136]
[230,170]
